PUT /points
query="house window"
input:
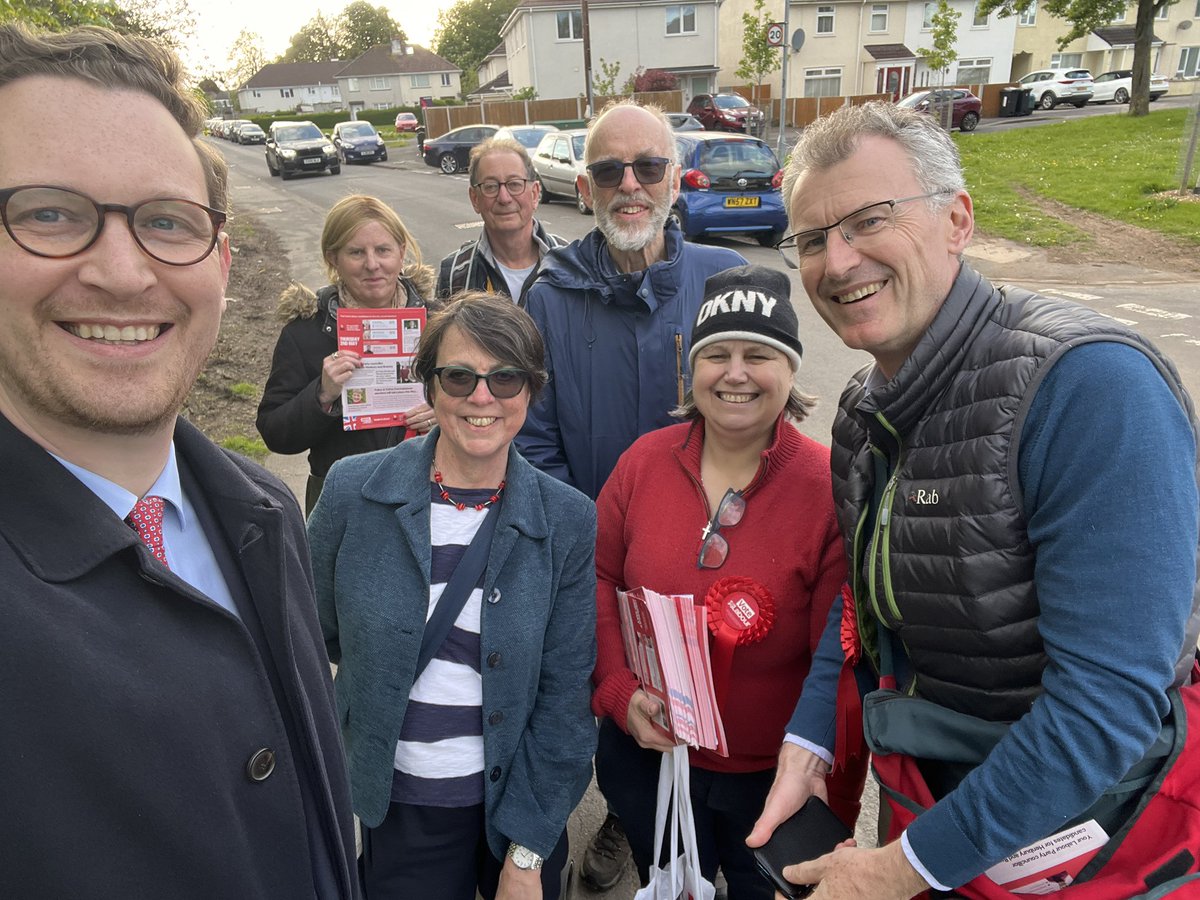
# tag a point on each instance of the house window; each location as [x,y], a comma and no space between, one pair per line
[879,16]
[981,18]
[445,79]
[823,82]
[1066,60]
[824,20]
[312,92]
[1198,9]
[352,84]
[570,25]
[927,17]
[681,19]
[378,83]
[257,94]
[418,81]
[1189,62]
[383,106]
[1119,17]
[1029,14]
[1162,12]
[974,71]
[285,93]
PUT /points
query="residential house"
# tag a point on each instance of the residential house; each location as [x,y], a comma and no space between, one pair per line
[1175,44]
[865,47]
[492,77]
[286,87]
[397,74]
[544,43]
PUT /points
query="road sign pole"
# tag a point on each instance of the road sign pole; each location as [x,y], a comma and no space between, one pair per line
[783,81]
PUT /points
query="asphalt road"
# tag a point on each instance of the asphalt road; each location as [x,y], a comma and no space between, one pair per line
[1160,304]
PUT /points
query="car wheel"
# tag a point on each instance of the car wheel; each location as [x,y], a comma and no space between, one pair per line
[1121,96]
[285,174]
[335,170]
[1046,101]
[969,121]
[581,204]
[341,155]
[270,168]
[383,157]
[447,163]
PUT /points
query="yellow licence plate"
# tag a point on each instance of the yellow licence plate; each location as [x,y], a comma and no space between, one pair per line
[741,201]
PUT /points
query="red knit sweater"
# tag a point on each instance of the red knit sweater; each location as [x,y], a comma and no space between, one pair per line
[651,514]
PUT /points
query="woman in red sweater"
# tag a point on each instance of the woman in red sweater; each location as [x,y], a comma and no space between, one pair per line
[733,506]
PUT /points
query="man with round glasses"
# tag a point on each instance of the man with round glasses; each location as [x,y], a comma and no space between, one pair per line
[1015,479]
[505,258]
[168,719]
[616,310]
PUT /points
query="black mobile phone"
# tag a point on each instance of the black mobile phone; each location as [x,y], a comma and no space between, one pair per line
[811,832]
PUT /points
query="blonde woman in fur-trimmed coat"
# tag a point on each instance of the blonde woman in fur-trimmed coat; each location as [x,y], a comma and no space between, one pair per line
[373,262]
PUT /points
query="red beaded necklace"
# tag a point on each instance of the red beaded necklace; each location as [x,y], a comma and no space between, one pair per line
[478,507]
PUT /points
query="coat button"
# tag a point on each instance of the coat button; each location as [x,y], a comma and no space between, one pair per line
[261,765]
[495,774]
[493,659]
[496,718]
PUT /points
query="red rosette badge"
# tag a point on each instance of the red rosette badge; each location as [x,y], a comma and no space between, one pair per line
[740,611]
[851,640]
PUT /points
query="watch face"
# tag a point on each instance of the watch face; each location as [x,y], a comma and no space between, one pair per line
[524,858]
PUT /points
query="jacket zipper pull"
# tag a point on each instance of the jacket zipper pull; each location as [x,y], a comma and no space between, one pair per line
[679,367]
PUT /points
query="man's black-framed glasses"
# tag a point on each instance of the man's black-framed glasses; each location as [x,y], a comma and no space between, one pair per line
[858,228]
[514,186]
[459,381]
[714,549]
[57,223]
[609,173]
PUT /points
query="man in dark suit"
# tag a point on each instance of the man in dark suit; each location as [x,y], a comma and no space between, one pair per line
[168,723]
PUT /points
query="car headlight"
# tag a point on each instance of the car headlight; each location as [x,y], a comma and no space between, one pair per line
[329,150]
[287,154]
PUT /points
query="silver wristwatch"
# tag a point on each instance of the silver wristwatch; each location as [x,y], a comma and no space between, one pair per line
[523,857]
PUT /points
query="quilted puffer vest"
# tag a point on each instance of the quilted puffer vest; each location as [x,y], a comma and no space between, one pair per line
[946,562]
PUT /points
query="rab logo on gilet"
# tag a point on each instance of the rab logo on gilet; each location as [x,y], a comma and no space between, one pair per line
[922,497]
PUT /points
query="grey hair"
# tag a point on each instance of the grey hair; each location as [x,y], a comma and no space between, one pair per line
[498,145]
[834,138]
[671,149]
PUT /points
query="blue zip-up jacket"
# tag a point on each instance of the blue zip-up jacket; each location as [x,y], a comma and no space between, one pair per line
[616,351]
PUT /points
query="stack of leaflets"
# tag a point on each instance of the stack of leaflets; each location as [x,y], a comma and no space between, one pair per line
[666,646]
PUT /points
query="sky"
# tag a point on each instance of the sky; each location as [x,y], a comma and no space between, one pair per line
[219,21]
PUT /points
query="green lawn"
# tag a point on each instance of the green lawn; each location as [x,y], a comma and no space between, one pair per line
[1111,165]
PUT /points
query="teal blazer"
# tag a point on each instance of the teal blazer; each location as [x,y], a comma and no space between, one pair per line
[371,555]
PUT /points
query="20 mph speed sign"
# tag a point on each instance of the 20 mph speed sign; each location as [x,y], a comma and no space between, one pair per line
[775,34]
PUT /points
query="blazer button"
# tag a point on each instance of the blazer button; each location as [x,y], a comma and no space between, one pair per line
[493,659]
[261,765]
[495,774]
[496,718]
[494,597]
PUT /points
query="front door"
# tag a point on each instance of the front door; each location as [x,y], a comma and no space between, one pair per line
[892,80]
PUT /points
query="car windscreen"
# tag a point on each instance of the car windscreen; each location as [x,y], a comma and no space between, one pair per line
[730,101]
[362,129]
[913,100]
[527,137]
[299,133]
[251,129]
[732,159]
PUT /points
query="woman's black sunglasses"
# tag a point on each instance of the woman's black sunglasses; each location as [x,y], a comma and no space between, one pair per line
[458,381]
[647,170]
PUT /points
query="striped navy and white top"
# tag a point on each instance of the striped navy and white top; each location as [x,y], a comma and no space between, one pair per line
[439,757]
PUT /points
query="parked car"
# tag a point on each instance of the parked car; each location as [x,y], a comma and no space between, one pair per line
[528,136]
[249,134]
[685,122]
[966,106]
[558,161]
[229,126]
[451,151]
[729,185]
[294,147]
[358,142]
[1117,86]
[407,122]
[1054,86]
[726,112]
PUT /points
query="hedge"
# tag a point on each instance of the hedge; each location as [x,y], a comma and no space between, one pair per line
[380,118]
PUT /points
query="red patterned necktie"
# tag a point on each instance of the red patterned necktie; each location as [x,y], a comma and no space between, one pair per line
[146,519]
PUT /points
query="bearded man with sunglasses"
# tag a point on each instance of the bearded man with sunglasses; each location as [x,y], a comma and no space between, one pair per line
[169,728]
[1015,479]
[505,258]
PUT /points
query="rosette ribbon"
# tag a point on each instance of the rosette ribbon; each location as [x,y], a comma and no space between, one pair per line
[740,611]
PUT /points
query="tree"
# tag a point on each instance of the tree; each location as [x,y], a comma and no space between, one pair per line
[246,57]
[944,33]
[526,93]
[167,21]
[1087,15]
[317,41]
[758,57]
[469,31]
[606,84]
[361,26]
[645,81]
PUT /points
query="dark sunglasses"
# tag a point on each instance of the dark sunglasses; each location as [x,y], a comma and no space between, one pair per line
[715,549]
[647,170]
[458,381]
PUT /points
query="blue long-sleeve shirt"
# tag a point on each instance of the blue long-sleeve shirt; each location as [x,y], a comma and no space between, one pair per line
[1107,471]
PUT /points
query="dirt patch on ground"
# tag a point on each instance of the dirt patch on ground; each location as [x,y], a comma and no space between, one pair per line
[225,399]
[1111,241]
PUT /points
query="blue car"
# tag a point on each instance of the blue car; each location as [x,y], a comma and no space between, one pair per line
[358,142]
[729,185]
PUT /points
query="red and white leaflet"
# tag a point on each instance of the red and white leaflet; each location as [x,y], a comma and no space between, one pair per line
[1049,865]
[644,658]
[705,686]
[673,656]
[379,393]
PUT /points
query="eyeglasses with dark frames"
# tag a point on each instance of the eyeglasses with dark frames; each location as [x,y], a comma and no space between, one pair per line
[714,549]
[609,173]
[858,228]
[58,223]
[459,381]
[514,186]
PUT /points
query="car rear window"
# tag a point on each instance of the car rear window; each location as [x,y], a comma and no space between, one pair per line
[730,159]
[577,145]
[1079,73]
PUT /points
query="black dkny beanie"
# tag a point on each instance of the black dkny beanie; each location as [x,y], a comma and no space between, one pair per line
[748,303]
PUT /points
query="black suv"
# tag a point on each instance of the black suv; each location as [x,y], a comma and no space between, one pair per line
[299,147]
